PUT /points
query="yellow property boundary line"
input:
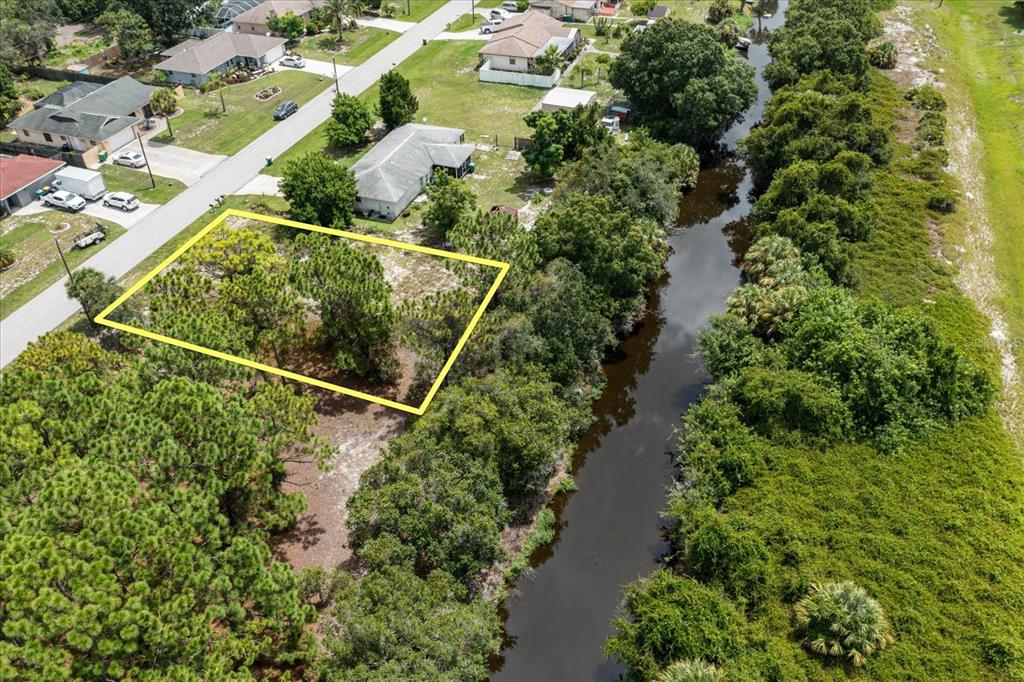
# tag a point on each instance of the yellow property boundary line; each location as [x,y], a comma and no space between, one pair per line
[503,268]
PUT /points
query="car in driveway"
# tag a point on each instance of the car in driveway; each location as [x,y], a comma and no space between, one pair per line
[67,201]
[121,200]
[130,159]
[293,60]
[489,26]
[285,109]
[500,14]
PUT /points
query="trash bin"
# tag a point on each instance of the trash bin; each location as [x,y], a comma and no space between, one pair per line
[270,161]
[103,156]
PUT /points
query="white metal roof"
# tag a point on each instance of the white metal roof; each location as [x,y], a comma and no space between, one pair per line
[568,98]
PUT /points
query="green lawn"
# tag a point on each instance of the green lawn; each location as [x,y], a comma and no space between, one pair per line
[122,179]
[85,45]
[465,22]
[983,67]
[38,264]
[356,46]
[454,96]
[416,10]
[315,141]
[204,128]
[596,81]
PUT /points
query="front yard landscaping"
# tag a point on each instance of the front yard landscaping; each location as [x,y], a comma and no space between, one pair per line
[203,127]
[37,264]
[354,49]
[122,179]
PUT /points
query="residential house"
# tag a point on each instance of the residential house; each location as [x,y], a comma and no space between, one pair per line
[21,176]
[395,170]
[87,117]
[254,21]
[516,43]
[192,61]
[566,10]
[227,12]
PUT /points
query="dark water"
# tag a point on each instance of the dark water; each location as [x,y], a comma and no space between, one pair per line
[610,531]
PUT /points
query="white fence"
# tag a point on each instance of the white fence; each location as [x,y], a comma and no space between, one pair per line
[533,80]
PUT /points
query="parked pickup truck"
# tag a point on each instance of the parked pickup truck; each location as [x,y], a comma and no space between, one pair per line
[489,26]
[86,239]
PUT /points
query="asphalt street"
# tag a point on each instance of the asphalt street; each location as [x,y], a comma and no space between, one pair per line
[52,307]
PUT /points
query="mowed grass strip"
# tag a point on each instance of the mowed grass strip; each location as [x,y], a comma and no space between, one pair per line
[37,264]
[983,65]
[356,46]
[203,127]
[133,181]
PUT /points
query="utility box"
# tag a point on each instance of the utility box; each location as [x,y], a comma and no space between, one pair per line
[83,182]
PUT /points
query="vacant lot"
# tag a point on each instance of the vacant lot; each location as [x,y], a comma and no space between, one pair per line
[202,125]
[123,179]
[37,264]
[416,10]
[354,48]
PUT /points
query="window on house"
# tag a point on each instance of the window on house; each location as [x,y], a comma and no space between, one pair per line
[48,137]
[511,60]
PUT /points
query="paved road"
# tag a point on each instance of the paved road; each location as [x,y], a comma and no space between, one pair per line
[52,307]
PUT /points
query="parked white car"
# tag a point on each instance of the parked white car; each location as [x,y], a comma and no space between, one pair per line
[68,201]
[293,60]
[510,6]
[131,159]
[610,123]
[489,26]
[499,13]
[121,200]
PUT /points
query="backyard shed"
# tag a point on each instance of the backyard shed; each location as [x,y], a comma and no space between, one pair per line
[567,99]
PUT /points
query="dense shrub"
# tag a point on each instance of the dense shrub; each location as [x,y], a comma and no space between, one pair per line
[667,618]
[721,553]
[774,402]
[883,55]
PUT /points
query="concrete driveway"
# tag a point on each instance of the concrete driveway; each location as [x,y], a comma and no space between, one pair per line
[321,68]
[170,161]
[96,209]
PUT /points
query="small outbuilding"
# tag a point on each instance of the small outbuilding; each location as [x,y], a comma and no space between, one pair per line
[657,12]
[567,99]
[21,176]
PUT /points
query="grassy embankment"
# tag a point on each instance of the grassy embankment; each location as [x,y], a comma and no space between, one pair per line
[933,532]
[982,64]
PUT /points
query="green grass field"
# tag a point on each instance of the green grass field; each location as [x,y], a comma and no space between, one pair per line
[465,22]
[416,10]
[204,128]
[38,265]
[982,62]
[358,45]
[133,181]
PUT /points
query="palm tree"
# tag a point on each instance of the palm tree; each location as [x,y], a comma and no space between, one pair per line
[585,72]
[216,82]
[356,8]
[689,670]
[604,60]
[162,101]
[841,619]
[548,61]
[336,11]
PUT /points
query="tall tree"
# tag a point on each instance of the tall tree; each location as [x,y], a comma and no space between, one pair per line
[29,28]
[319,191]
[129,31]
[397,104]
[683,84]
[336,12]
[166,18]
[10,104]
[354,303]
[163,102]
[450,200]
[350,120]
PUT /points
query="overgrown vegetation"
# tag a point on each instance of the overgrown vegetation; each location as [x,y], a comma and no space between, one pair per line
[848,436]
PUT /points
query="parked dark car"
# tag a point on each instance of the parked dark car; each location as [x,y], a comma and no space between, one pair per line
[285,109]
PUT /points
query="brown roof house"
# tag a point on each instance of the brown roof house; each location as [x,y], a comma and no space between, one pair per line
[254,21]
[191,62]
[508,57]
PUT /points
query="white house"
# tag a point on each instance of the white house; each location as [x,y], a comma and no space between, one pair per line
[191,62]
[395,170]
[516,43]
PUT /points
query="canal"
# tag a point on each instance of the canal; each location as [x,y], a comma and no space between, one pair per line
[610,532]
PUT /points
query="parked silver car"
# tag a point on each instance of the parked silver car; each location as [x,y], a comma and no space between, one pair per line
[130,159]
[68,201]
[121,200]
[293,60]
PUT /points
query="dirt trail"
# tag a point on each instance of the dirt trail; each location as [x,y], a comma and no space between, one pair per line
[976,273]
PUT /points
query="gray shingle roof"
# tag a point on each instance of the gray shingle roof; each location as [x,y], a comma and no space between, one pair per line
[93,113]
[400,161]
[208,54]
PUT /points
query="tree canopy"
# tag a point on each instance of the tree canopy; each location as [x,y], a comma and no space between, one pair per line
[397,105]
[682,82]
[319,191]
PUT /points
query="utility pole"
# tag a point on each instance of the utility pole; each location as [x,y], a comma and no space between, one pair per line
[70,276]
[145,158]
[334,65]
